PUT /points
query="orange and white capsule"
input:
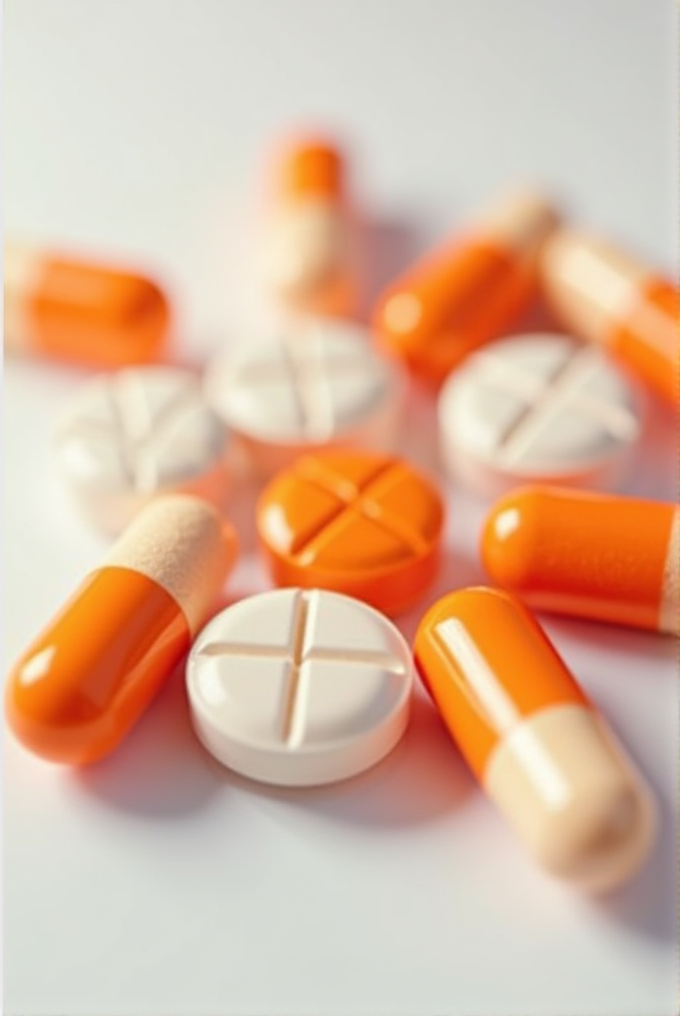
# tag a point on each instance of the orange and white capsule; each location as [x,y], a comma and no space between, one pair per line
[88,677]
[309,256]
[608,297]
[544,756]
[74,310]
[596,556]
[468,292]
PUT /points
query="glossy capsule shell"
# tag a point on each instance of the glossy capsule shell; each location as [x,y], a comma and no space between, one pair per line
[84,312]
[590,555]
[88,677]
[468,292]
[609,297]
[544,756]
[309,256]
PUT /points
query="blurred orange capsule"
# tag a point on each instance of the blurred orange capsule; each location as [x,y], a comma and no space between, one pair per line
[608,297]
[597,556]
[87,313]
[308,256]
[468,292]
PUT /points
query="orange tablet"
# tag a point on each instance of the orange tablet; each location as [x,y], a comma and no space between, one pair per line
[358,523]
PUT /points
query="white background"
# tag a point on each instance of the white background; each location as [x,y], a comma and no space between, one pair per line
[157,883]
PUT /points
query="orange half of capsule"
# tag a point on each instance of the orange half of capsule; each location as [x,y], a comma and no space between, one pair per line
[478,706]
[592,555]
[309,168]
[87,678]
[648,338]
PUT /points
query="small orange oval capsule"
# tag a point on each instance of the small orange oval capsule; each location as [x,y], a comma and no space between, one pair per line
[309,259]
[608,297]
[543,755]
[358,523]
[468,292]
[86,680]
[597,556]
[87,313]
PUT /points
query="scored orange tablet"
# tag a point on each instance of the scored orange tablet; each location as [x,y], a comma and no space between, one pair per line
[362,524]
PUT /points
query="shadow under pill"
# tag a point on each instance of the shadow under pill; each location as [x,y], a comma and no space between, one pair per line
[630,643]
[160,771]
[241,511]
[422,779]
[455,572]
[648,904]
[655,471]
[419,432]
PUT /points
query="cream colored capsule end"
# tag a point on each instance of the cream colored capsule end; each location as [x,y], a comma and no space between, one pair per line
[574,797]
[23,266]
[519,222]
[589,284]
[184,545]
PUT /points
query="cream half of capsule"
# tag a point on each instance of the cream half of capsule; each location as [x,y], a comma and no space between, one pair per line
[573,796]
[309,252]
[606,296]
[23,268]
[185,546]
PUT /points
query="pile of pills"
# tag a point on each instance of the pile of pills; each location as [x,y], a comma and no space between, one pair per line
[311,681]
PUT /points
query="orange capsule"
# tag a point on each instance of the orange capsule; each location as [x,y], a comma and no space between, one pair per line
[467,293]
[88,313]
[545,757]
[357,523]
[610,298]
[592,555]
[308,256]
[88,677]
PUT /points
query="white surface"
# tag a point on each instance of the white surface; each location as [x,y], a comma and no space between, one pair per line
[158,883]
[537,407]
[299,687]
[131,434]
[309,384]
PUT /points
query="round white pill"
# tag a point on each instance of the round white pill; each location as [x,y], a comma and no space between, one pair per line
[537,408]
[316,384]
[136,433]
[299,687]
